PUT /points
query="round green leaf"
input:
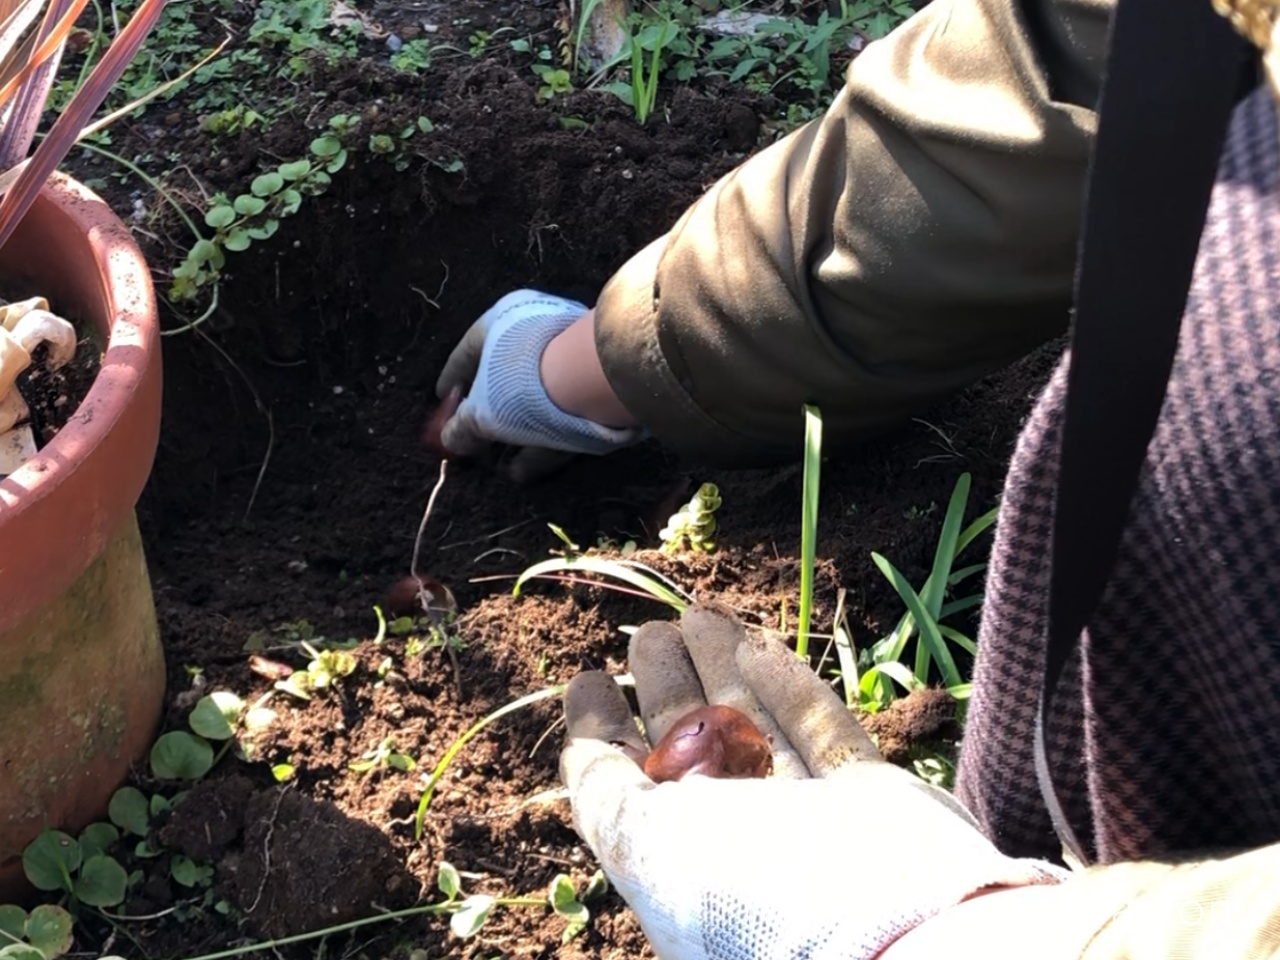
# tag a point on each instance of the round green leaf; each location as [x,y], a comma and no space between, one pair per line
[13,923]
[187,872]
[326,147]
[291,199]
[216,715]
[266,231]
[20,951]
[258,719]
[448,881]
[102,882]
[159,805]
[338,161]
[49,930]
[266,184]
[248,206]
[282,772]
[296,170]
[220,216]
[128,810]
[50,859]
[471,915]
[202,251]
[561,892]
[97,838]
[180,756]
[238,240]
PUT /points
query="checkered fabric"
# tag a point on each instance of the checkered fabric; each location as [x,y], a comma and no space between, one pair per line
[1165,736]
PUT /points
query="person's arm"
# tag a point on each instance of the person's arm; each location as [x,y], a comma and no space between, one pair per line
[918,236]
[574,379]
[1224,909]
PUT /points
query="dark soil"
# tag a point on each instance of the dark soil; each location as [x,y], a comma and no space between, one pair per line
[52,396]
[290,482]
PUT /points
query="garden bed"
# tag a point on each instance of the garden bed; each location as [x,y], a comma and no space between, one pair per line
[290,483]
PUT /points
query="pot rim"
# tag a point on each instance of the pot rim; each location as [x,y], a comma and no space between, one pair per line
[72,496]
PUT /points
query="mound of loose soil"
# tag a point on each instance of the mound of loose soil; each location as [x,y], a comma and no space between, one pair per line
[290,482]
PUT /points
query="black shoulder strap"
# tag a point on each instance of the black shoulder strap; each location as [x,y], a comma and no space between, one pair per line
[1171,82]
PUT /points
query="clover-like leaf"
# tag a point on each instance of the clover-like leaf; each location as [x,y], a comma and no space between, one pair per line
[471,915]
[597,886]
[294,171]
[49,930]
[448,881]
[425,125]
[238,240]
[21,951]
[564,900]
[187,872]
[202,251]
[159,805]
[267,229]
[290,201]
[248,206]
[326,147]
[337,162]
[13,923]
[297,684]
[97,838]
[102,882]
[265,184]
[50,859]
[179,755]
[222,215]
[258,719]
[216,715]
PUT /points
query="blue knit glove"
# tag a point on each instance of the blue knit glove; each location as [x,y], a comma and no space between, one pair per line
[497,364]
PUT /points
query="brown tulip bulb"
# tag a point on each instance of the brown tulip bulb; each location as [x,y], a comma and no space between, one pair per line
[714,741]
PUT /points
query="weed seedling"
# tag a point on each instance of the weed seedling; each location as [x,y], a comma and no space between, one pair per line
[692,526]
[386,755]
[326,668]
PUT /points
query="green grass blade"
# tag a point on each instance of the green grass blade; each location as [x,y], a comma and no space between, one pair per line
[809,522]
[876,679]
[456,747]
[975,530]
[637,575]
[959,639]
[944,556]
[847,657]
[929,635]
[956,606]
[964,573]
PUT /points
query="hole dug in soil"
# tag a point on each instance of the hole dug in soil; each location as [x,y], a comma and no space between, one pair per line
[340,323]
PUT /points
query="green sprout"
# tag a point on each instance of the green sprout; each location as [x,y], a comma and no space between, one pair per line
[693,524]
[384,754]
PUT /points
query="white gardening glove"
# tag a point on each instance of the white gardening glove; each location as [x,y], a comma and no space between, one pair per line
[23,327]
[496,364]
[837,854]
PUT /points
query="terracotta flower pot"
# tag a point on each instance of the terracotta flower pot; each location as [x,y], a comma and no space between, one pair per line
[81,667]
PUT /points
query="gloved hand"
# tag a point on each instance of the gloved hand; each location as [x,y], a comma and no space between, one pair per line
[497,365]
[837,854]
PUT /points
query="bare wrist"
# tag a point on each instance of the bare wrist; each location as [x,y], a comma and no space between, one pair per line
[574,378]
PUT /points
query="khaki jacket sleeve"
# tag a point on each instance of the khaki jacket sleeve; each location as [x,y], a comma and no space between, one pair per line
[1224,909]
[918,236]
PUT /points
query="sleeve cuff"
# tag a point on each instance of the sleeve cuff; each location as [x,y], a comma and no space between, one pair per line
[628,334]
